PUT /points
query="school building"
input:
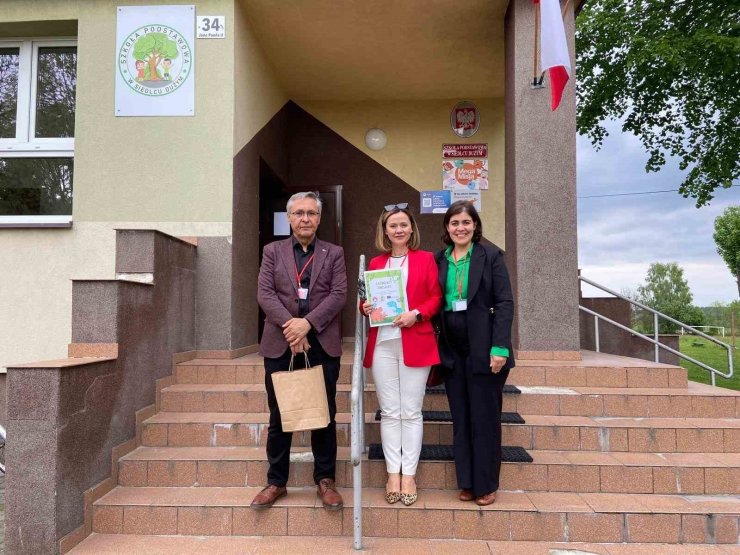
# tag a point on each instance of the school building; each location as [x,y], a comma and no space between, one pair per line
[127,240]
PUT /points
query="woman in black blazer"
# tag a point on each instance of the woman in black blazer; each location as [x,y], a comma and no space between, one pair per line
[475,347]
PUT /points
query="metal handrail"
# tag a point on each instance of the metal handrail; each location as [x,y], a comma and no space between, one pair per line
[357,433]
[655,339]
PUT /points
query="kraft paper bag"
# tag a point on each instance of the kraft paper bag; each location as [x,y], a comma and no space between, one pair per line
[301,398]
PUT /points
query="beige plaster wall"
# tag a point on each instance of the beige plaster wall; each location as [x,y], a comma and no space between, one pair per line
[416,131]
[186,190]
[123,168]
[36,273]
[258,94]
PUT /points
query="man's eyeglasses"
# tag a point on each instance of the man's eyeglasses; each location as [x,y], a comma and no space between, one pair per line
[399,206]
[300,214]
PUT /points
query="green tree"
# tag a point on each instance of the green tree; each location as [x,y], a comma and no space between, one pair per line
[670,70]
[666,290]
[727,239]
[720,314]
[152,49]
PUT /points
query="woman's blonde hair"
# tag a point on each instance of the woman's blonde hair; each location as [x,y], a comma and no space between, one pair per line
[382,243]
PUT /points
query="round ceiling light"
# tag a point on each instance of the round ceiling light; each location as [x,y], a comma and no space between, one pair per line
[375,139]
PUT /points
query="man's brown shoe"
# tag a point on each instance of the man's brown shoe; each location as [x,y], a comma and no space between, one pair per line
[466,495]
[487,499]
[330,497]
[265,498]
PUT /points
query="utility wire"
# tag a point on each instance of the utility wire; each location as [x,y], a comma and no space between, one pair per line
[639,193]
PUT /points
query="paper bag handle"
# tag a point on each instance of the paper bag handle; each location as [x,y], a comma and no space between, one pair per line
[292,356]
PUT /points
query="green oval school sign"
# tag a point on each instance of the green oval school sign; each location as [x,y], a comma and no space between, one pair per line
[155,60]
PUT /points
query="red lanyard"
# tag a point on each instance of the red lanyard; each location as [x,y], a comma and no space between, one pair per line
[300,275]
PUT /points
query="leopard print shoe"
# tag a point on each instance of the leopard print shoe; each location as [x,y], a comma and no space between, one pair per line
[408,498]
[392,497]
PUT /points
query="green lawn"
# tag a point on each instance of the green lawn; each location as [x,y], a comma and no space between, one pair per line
[712,354]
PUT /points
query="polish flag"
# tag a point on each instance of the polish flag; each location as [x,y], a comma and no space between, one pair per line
[554,50]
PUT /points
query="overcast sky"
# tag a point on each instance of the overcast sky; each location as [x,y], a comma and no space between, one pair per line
[619,237]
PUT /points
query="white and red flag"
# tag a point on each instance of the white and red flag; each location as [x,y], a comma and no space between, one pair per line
[554,50]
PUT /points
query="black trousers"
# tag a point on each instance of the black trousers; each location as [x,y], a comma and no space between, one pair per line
[323,441]
[476,401]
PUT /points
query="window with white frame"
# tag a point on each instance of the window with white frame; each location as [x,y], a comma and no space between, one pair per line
[38,79]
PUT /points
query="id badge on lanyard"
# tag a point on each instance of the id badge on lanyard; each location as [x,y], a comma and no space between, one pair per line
[302,291]
[460,304]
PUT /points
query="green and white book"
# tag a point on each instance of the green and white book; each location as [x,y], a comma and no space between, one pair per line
[386,292]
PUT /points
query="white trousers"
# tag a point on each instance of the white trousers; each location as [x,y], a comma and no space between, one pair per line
[400,391]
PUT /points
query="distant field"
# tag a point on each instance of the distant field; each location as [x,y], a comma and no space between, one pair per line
[709,353]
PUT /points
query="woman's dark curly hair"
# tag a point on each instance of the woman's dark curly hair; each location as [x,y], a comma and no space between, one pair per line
[457,208]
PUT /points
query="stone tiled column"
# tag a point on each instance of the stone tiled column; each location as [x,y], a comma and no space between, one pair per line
[541,244]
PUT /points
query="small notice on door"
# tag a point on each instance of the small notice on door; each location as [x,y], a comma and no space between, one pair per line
[211,27]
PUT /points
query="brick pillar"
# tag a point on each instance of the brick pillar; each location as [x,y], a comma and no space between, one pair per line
[541,224]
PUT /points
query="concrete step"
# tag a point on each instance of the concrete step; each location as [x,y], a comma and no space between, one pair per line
[217,371]
[253,398]
[193,429]
[599,370]
[594,370]
[567,433]
[518,516]
[570,471]
[697,400]
[115,544]
[636,434]
[222,429]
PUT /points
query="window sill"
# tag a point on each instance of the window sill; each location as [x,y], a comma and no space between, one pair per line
[64,222]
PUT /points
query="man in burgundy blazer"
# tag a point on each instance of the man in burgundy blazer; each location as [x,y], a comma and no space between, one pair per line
[302,288]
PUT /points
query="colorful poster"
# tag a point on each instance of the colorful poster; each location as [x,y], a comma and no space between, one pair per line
[155,62]
[470,196]
[465,174]
[435,202]
[477,150]
[386,292]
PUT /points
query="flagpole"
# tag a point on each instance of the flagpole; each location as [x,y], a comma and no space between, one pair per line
[536,82]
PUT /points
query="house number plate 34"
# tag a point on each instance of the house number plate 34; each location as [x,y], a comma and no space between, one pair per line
[211,27]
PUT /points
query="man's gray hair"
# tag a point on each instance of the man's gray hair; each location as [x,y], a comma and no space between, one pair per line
[300,196]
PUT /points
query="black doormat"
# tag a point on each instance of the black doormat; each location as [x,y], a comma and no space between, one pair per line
[440,389]
[445,416]
[445,453]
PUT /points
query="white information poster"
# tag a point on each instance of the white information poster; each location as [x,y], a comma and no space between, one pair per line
[469,196]
[155,62]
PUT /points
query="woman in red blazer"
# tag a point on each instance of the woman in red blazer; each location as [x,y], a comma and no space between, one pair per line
[401,355]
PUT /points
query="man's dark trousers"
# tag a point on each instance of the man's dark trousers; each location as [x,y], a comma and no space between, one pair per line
[323,441]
